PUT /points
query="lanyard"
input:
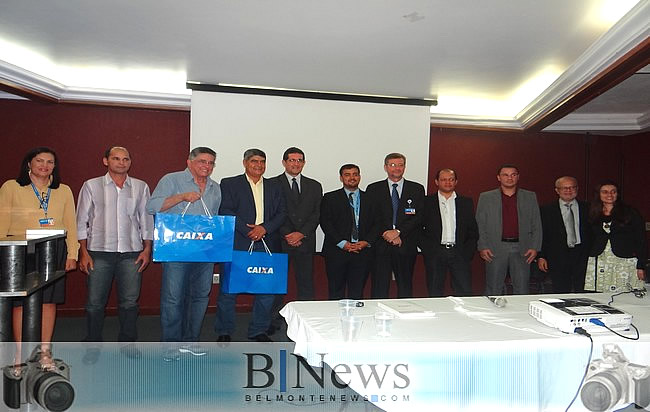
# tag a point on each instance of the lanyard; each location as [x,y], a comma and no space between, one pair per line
[44,201]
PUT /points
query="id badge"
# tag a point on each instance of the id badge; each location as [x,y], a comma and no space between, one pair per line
[46,222]
[409,211]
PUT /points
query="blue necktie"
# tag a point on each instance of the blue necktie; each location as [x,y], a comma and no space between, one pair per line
[355,227]
[395,199]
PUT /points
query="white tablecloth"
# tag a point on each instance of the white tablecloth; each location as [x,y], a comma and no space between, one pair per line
[471,356]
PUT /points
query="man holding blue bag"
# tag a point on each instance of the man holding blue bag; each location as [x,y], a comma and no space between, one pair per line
[260,210]
[186,286]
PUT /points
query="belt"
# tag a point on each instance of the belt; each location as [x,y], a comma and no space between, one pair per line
[448,245]
[510,239]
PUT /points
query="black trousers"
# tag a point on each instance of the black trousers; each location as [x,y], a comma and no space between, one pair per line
[303,269]
[568,274]
[346,270]
[442,261]
[386,264]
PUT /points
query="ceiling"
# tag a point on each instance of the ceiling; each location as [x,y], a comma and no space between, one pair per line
[494,63]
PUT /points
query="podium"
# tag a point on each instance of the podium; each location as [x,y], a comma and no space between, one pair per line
[27,264]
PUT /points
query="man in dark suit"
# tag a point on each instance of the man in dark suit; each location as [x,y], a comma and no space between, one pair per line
[565,244]
[398,204]
[347,220]
[449,237]
[259,208]
[302,196]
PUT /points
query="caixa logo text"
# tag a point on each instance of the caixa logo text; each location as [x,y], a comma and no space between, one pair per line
[262,371]
[264,270]
[194,235]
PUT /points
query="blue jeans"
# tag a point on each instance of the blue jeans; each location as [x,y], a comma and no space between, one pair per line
[225,321]
[122,267]
[183,299]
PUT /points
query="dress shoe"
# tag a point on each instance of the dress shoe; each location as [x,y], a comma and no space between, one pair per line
[224,338]
[262,337]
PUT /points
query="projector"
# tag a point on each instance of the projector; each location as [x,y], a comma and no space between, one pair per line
[569,314]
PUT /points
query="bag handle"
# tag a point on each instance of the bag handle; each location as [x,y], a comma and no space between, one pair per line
[205,208]
[250,247]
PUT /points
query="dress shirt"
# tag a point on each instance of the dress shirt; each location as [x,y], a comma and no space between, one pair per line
[114,219]
[258,198]
[448,218]
[182,182]
[290,180]
[576,217]
[509,216]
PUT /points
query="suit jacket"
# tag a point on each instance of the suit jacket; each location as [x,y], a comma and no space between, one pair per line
[237,200]
[409,225]
[466,227]
[554,243]
[489,219]
[627,240]
[337,218]
[303,214]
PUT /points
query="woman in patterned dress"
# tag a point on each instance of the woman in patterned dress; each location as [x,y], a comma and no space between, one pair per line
[618,252]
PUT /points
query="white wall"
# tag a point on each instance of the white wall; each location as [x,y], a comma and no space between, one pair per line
[330,133]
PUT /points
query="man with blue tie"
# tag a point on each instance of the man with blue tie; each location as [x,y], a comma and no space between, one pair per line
[398,204]
[346,218]
[259,208]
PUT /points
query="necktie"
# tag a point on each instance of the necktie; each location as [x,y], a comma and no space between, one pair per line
[395,199]
[355,227]
[571,227]
[294,188]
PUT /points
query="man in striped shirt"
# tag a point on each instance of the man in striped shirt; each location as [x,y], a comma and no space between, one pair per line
[115,236]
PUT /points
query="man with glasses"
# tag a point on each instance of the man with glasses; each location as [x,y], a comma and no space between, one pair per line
[565,247]
[186,285]
[302,196]
[510,232]
[398,213]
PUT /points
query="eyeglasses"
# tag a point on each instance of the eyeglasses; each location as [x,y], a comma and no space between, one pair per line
[568,188]
[295,160]
[205,162]
[396,164]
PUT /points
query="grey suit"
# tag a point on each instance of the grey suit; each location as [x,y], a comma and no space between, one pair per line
[508,255]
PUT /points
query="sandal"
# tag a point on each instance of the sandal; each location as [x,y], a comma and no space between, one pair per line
[46,361]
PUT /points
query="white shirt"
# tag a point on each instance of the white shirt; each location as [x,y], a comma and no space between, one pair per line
[113,219]
[448,217]
[576,217]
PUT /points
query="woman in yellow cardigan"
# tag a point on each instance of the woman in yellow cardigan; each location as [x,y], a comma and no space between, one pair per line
[35,200]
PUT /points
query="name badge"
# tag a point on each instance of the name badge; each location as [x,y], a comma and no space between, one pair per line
[46,222]
[409,211]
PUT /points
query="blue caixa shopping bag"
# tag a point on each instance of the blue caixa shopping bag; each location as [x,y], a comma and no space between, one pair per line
[193,238]
[255,272]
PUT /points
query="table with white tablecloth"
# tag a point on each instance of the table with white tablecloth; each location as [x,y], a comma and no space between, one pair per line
[469,355]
